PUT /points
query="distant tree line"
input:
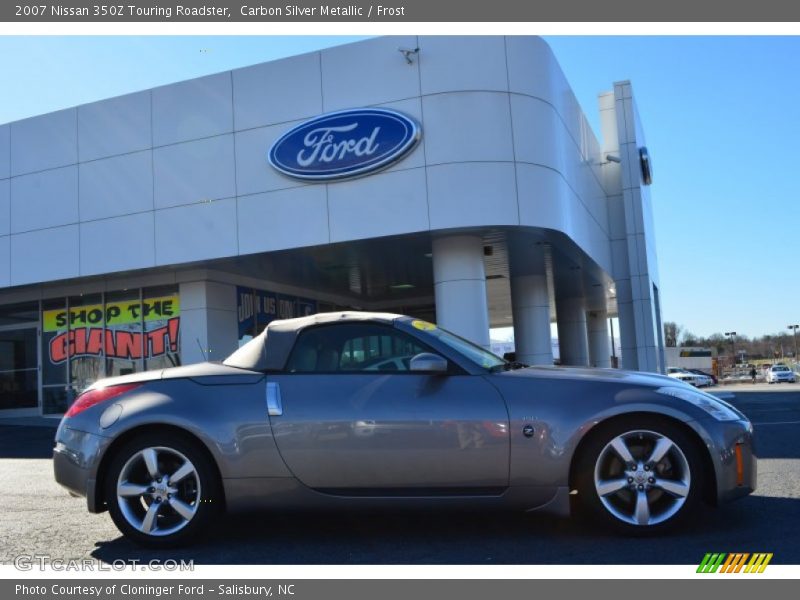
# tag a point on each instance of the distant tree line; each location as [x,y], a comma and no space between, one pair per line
[779,345]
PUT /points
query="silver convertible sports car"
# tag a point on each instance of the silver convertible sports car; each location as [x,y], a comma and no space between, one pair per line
[379,410]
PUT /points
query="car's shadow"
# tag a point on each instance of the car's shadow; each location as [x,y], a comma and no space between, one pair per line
[754,524]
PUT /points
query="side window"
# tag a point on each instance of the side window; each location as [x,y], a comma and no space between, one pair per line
[353,347]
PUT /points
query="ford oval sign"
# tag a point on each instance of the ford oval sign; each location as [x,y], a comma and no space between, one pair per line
[344,144]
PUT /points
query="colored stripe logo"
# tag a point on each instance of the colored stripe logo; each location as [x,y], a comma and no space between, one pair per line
[735,562]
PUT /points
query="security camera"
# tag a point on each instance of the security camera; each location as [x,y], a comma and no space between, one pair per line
[408,54]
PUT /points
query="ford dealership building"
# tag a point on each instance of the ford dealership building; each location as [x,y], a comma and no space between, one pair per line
[455,179]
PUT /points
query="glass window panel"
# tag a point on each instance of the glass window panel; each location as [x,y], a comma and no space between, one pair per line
[475,353]
[86,340]
[386,344]
[18,389]
[18,349]
[351,347]
[14,314]
[246,314]
[55,400]
[266,306]
[55,342]
[123,335]
[162,317]
[325,307]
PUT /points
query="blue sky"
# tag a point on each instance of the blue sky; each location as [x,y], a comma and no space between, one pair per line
[721,116]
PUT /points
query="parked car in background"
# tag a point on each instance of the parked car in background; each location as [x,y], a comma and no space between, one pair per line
[704,374]
[779,374]
[688,377]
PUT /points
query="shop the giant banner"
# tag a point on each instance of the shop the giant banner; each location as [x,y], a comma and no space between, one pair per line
[114,330]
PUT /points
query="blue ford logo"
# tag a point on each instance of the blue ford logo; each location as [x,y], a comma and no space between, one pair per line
[344,144]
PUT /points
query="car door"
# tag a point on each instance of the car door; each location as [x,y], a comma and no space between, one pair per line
[355,420]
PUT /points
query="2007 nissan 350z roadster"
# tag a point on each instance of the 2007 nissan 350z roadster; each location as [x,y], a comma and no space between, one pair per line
[379,410]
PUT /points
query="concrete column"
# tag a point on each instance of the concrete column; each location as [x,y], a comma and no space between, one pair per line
[530,305]
[599,344]
[573,342]
[459,281]
[627,326]
[209,325]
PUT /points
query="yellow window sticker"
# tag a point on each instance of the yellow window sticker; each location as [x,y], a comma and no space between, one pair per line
[423,325]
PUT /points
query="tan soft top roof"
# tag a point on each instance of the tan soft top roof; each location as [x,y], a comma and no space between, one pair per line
[269,350]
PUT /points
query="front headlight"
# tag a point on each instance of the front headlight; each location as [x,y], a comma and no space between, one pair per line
[713,406]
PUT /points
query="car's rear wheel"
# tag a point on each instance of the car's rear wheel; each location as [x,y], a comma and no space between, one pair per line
[640,475]
[161,490]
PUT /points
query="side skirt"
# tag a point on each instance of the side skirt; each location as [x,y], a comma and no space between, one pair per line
[287,493]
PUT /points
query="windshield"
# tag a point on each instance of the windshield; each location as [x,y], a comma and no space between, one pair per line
[780,369]
[475,353]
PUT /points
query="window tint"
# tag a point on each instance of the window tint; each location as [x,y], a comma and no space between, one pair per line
[353,347]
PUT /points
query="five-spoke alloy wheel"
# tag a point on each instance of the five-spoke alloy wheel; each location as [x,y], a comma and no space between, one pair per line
[160,489]
[640,475]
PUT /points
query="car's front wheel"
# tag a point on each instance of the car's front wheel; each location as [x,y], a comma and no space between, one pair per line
[640,475]
[161,490]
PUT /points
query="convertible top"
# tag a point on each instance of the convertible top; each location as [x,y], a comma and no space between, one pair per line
[270,350]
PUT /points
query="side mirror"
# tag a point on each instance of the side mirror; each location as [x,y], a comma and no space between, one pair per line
[425,362]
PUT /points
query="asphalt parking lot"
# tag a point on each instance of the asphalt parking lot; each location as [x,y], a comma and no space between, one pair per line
[38,517]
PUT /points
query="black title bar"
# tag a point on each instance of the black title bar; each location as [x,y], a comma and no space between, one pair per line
[734,588]
[73,11]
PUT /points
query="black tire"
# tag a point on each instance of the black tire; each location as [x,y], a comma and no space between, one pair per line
[206,499]
[592,507]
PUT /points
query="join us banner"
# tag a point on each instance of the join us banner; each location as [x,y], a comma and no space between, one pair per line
[260,306]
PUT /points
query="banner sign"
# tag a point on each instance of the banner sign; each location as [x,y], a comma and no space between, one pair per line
[113,331]
[704,353]
[262,307]
[116,313]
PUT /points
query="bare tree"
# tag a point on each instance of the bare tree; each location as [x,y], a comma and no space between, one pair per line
[671,332]
[718,341]
[778,346]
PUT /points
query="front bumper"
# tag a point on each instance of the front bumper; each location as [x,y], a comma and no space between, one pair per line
[733,455]
[76,456]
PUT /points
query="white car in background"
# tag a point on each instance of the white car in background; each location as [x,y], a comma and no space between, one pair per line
[780,373]
[694,379]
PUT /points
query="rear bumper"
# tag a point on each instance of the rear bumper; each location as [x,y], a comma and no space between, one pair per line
[76,456]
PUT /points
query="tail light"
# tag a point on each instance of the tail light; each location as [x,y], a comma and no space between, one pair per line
[96,396]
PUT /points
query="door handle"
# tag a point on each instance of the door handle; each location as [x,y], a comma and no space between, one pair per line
[274,404]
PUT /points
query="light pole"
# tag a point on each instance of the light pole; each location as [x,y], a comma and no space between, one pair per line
[794,328]
[732,335]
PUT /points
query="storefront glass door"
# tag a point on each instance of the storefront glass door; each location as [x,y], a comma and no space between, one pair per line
[19,367]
